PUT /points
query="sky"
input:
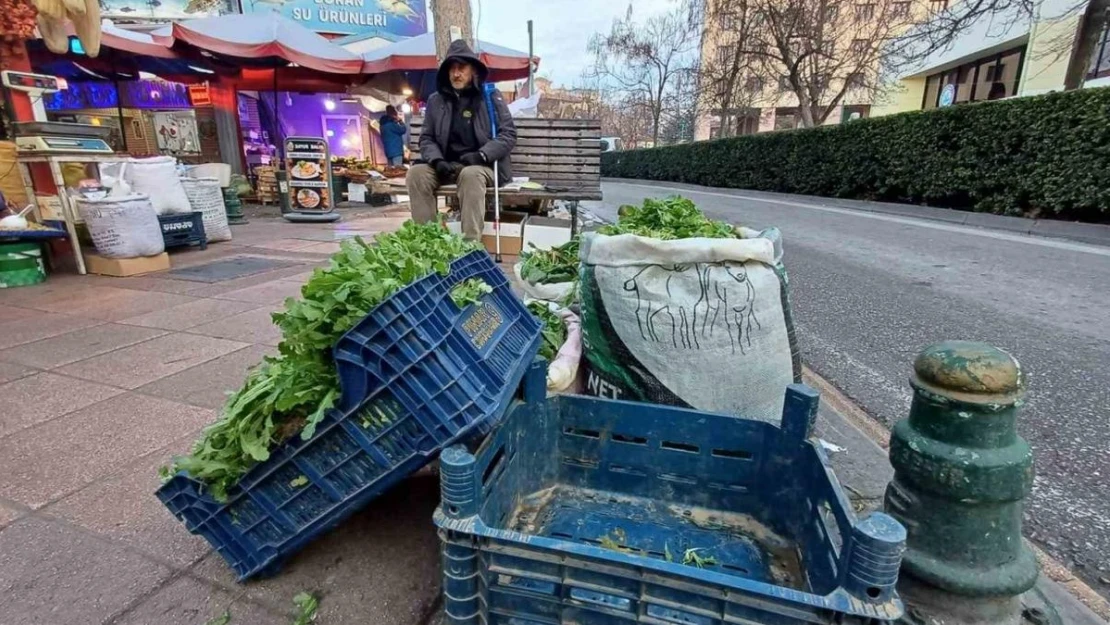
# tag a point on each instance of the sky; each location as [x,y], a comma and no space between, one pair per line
[561,28]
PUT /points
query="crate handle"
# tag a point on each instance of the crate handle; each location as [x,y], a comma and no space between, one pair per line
[601,599]
[680,617]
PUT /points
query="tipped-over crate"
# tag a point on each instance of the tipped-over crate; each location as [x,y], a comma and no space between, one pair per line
[592,511]
[416,374]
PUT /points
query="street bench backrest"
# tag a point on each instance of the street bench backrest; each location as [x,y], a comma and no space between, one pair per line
[564,154]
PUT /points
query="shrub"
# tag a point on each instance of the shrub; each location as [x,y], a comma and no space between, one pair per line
[1043,156]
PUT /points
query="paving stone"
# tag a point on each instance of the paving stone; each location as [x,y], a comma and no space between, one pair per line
[329,247]
[9,513]
[77,345]
[132,367]
[9,372]
[187,601]
[160,282]
[11,313]
[46,325]
[273,292]
[123,507]
[253,326]
[121,304]
[207,384]
[76,299]
[43,463]
[45,396]
[53,574]
[189,315]
[390,548]
[44,293]
[284,244]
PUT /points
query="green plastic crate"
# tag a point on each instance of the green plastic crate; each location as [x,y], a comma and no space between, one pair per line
[21,265]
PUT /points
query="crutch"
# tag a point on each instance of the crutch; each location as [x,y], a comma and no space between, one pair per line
[489,88]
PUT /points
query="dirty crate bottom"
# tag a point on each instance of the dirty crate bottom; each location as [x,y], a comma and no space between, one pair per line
[727,542]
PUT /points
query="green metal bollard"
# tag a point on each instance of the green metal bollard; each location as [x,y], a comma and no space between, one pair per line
[961,476]
[234,207]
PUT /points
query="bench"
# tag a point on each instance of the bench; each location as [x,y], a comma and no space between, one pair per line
[562,154]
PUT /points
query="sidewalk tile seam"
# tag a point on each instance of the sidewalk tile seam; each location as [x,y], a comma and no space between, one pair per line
[56,369]
[111,473]
[96,323]
[166,333]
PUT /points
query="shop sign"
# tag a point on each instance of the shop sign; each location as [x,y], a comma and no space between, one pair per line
[132,10]
[947,95]
[388,19]
[308,170]
[199,95]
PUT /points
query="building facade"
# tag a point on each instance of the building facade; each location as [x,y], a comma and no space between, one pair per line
[1000,57]
[769,102]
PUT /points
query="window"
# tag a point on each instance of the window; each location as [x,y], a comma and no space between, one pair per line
[900,9]
[995,72]
[855,80]
[936,6]
[821,82]
[828,48]
[758,18]
[832,12]
[1100,56]
[726,22]
[859,46]
[753,84]
[786,118]
[865,12]
[725,54]
[989,78]
[784,83]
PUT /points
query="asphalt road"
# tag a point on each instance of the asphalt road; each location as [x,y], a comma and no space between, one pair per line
[870,290]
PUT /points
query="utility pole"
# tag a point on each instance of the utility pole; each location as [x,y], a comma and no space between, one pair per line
[452,21]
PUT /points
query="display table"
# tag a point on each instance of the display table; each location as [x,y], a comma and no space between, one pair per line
[68,214]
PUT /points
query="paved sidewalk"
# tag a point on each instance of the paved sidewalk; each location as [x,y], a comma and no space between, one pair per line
[103,379]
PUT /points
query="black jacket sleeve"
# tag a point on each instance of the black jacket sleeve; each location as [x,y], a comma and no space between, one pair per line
[429,149]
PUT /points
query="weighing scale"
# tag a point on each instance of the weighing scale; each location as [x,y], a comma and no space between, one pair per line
[54,143]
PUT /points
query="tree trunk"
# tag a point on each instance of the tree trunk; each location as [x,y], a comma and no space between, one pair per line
[449,14]
[1091,25]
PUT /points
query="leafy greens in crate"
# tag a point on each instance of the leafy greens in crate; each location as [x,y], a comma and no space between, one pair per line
[289,393]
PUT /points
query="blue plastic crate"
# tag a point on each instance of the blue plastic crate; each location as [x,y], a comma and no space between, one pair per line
[416,374]
[581,510]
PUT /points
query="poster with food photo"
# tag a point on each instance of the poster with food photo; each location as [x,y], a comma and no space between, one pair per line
[309,176]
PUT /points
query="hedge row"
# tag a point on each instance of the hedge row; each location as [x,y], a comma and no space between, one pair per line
[1044,156]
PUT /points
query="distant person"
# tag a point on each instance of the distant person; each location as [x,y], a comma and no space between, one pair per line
[392,127]
[457,144]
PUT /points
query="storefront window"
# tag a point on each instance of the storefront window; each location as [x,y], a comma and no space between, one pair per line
[989,78]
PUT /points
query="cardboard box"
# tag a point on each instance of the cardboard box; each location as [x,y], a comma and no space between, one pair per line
[121,267]
[544,233]
[513,226]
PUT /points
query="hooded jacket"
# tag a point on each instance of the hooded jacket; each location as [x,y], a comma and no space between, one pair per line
[393,136]
[440,110]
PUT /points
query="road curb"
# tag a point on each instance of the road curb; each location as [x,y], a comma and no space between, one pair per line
[1094,234]
[1070,585]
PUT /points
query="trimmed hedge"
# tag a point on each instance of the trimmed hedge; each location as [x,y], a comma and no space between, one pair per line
[1042,156]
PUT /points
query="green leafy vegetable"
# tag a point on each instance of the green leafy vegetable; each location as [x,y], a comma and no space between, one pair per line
[691,558]
[558,264]
[469,292]
[222,619]
[306,604]
[290,393]
[554,331]
[667,552]
[298,481]
[671,218]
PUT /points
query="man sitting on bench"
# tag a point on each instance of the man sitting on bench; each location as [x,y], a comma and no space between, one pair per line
[456,142]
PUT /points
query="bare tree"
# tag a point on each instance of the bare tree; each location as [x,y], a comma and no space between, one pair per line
[816,50]
[729,79]
[641,60]
[680,108]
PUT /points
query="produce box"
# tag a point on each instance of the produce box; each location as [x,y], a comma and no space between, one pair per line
[123,267]
[582,510]
[513,226]
[416,374]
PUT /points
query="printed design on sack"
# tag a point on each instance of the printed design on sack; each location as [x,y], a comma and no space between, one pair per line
[482,324]
[726,302]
